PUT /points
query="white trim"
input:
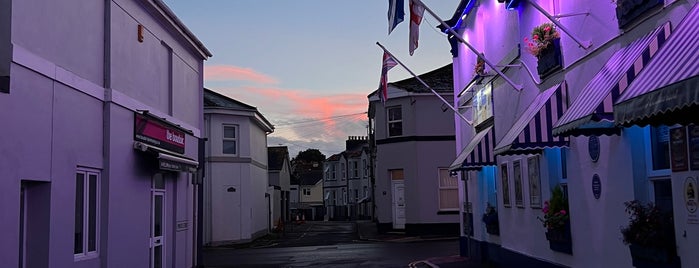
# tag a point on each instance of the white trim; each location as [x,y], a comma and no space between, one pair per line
[86,255]
[235,138]
[651,173]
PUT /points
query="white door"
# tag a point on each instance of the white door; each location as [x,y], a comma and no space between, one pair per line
[398,204]
[157,230]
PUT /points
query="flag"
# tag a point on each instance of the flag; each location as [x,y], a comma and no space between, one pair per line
[395,14]
[388,63]
[416,12]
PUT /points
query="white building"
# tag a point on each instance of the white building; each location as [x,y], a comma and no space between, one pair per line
[580,125]
[237,202]
[411,135]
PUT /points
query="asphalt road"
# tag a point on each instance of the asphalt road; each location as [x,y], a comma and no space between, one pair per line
[325,244]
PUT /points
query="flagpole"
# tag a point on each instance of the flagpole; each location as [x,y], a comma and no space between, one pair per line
[480,54]
[425,84]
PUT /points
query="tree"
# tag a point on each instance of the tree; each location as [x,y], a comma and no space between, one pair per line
[310,159]
[310,155]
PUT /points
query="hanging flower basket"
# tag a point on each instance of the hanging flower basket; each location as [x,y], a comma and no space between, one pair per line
[546,47]
[628,10]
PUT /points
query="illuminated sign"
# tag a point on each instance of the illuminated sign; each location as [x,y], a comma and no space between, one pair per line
[159,134]
[483,104]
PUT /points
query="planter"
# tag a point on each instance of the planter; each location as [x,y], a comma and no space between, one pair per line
[629,10]
[549,59]
[560,239]
[647,257]
[493,229]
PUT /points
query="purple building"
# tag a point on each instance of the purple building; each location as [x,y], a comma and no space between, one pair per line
[101,108]
[604,110]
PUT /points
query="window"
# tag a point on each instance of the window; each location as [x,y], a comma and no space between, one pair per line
[86,213]
[395,121]
[306,191]
[366,191]
[230,139]
[448,191]
[344,196]
[355,169]
[334,176]
[660,147]
[366,168]
[396,174]
[356,195]
[342,170]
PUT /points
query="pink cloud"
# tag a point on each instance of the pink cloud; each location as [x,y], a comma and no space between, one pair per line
[229,72]
[293,105]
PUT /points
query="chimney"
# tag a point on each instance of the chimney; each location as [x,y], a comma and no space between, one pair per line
[355,142]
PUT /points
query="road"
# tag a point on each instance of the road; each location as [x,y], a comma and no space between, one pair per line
[326,244]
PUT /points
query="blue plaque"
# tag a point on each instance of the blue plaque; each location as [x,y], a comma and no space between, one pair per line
[593,148]
[596,186]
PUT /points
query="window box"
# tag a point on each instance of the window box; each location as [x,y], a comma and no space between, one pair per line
[647,257]
[560,239]
[628,11]
[549,59]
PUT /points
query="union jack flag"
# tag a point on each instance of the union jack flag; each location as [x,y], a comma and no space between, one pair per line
[388,63]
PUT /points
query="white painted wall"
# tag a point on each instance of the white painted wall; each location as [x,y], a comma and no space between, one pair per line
[621,166]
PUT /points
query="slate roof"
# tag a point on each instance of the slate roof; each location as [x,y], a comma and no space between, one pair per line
[213,99]
[276,156]
[441,80]
[310,177]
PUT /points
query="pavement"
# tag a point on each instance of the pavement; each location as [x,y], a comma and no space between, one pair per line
[367,231]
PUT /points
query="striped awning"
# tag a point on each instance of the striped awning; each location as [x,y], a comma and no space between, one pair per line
[667,90]
[478,152]
[532,131]
[591,113]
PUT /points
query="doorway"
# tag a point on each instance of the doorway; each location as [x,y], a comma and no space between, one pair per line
[157,238]
[398,193]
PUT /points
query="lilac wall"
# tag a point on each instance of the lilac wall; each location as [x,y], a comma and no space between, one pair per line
[56,120]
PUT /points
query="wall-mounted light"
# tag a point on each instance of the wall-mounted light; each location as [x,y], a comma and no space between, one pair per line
[140,33]
[510,4]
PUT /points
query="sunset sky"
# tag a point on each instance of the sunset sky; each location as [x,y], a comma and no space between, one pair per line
[308,65]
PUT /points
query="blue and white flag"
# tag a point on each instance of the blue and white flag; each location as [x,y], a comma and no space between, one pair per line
[395,14]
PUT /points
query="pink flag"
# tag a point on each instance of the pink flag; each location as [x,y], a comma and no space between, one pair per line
[388,63]
[416,12]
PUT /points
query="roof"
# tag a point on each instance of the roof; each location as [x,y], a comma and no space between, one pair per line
[311,177]
[441,80]
[335,157]
[214,100]
[276,156]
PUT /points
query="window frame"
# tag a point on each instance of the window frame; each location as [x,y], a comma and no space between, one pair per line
[389,121]
[86,253]
[654,173]
[441,188]
[224,139]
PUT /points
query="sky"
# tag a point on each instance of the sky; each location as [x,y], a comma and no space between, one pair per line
[308,65]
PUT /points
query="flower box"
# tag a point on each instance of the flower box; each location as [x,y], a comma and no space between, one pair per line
[549,59]
[648,257]
[628,11]
[493,229]
[560,239]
